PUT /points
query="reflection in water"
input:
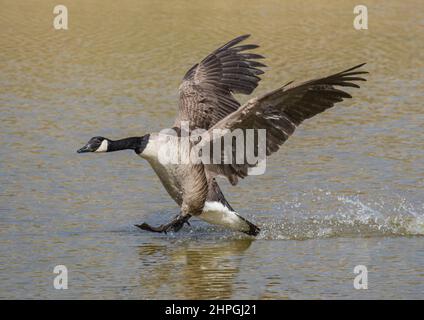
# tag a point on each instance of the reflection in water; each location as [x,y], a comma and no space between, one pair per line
[192,270]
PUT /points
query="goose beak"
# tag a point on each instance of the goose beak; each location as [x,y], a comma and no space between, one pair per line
[84,149]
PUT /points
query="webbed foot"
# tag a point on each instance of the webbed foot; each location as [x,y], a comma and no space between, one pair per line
[175,225]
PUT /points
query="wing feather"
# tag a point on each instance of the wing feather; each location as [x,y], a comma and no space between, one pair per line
[280,112]
[206,92]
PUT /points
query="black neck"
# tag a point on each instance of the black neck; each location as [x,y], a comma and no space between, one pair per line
[134,143]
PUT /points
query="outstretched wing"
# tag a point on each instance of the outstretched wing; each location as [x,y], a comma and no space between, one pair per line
[206,92]
[281,111]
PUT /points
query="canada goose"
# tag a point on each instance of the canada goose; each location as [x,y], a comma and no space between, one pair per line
[207,102]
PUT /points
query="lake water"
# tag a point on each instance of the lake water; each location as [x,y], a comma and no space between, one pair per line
[347,189]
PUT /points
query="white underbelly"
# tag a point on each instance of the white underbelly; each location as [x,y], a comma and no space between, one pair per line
[216,213]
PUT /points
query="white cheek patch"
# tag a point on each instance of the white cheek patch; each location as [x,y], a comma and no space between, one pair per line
[103,146]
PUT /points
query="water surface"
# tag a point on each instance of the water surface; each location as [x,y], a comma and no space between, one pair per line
[347,189]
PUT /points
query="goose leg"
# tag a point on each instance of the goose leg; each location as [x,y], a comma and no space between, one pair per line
[175,225]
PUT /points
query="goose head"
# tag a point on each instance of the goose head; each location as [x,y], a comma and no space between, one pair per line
[95,144]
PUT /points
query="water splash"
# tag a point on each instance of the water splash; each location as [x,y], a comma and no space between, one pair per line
[345,216]
[322,215]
